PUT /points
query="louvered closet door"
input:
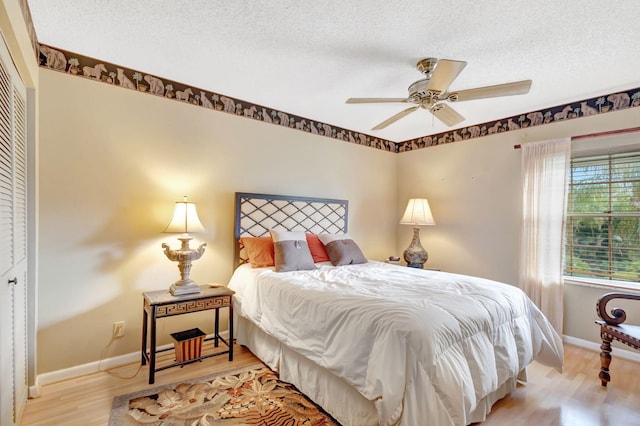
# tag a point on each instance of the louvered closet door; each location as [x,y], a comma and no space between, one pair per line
[13,242]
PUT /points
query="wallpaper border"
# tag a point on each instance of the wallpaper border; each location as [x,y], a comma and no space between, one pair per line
[74,64]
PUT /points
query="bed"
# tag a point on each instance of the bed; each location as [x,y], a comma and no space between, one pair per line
[375,343]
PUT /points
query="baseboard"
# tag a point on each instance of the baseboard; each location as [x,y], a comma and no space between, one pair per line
[90,368]
[81,370]
[595,347]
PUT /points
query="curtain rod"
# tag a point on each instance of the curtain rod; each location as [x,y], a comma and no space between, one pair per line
[595,135]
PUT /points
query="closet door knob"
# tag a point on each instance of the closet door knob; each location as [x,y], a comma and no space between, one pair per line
[14,281]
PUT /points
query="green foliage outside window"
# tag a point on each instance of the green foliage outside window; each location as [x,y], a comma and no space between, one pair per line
[603,218]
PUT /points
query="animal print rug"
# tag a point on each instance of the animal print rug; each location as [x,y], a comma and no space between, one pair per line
[250,396]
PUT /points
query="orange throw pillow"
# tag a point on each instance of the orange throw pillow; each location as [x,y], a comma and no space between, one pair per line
[259,251]
[318,252]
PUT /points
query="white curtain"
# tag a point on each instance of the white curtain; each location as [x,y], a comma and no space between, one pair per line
[544,194]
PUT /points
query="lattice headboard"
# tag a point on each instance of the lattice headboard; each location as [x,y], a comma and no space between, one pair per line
[257,213]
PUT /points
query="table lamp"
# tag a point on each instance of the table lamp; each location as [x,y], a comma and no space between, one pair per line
[185,221]
[417,214]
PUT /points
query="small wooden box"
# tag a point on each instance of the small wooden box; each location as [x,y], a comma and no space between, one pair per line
[188,344]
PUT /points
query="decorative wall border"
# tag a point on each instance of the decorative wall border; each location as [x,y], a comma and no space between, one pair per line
[82,66]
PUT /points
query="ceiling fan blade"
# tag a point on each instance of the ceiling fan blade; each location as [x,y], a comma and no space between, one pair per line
[374,100]
[446,114]
[506,89]
[395,118]
[445,72]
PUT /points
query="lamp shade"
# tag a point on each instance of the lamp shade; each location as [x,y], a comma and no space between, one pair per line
[417,213]
[185,219]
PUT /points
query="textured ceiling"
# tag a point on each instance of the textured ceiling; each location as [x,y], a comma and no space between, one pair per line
[307,57]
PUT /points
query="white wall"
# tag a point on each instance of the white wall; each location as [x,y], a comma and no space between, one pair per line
[114,161]
[474,192]
[475,203]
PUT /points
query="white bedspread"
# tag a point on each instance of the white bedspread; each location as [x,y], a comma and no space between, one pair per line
[420,344]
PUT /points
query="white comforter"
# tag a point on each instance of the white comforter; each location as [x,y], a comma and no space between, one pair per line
[424,344]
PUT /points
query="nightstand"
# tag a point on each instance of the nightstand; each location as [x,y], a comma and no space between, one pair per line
[161,304]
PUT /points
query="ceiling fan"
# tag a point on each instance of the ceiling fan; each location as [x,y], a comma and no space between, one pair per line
[430,92]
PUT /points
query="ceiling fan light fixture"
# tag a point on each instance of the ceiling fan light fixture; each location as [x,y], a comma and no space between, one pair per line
[420,93]
[428,92]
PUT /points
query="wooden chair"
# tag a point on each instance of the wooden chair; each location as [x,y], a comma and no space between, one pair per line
[612,327]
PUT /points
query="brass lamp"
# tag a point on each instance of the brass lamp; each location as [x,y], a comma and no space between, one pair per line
[185,221]
[417,214]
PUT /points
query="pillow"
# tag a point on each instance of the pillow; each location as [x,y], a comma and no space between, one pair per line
[342,249]
[318,252]
[260,251]
[291,251]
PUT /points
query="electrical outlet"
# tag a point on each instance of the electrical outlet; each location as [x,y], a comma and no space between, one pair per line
[118,329]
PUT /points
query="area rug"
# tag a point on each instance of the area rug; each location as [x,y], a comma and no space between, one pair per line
[250,396]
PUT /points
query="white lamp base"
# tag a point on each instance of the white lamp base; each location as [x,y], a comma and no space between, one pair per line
[184,256]
[180,289]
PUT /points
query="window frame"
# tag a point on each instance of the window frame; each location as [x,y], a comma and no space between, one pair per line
[594,148]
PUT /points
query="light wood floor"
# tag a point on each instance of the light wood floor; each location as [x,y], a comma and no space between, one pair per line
[574,397]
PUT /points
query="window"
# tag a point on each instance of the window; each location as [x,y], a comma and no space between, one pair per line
[603,217]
